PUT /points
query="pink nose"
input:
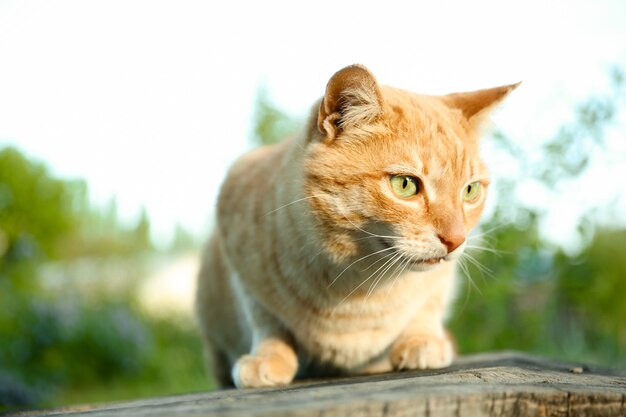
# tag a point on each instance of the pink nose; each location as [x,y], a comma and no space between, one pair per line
[452,242]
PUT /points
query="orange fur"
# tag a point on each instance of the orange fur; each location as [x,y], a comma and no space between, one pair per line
[316,266]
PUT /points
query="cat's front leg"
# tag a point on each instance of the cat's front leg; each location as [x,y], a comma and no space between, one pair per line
[272,363]
[424,344]
[272,360]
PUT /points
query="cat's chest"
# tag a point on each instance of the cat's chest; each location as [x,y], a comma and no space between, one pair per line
[356,330]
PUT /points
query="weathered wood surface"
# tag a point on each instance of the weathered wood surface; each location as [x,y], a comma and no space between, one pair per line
[493,384]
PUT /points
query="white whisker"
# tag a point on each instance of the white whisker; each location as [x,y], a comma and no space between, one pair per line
[482,268]
[381,276]
[496,252]
[473,285]
[369,277]
[368,233]
[402,268]
[293,202]
[379,236]
[381,259]
[465,269]
[358,260]
[485,232]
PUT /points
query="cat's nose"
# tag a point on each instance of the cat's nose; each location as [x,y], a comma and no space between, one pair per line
[452,242]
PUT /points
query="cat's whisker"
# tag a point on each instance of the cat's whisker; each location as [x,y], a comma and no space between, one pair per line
[379,236]
[402,268]
[497,252]
[465,270]
[472,260]
[397,258]
[483,245]
[370,236]
[380,276]
[482,268]
[369,233]
[488,231]
[293,202]
[467,258]
[481,242]
[319,252]
[379,260]
[392,259]
[463,267]
[485,236]
[358,260]
[469,276]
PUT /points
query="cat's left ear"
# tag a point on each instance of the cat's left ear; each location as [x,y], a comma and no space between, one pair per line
[476,105]
[352,99]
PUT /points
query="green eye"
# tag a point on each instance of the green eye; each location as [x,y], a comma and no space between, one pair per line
[404,186]
[471,191]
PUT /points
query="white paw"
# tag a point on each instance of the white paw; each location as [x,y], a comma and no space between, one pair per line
[422,352]
[263,371]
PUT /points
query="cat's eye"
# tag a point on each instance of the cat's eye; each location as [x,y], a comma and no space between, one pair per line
[471,191]
[404,186]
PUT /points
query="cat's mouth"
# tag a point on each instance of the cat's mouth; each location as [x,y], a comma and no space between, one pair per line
[413,260]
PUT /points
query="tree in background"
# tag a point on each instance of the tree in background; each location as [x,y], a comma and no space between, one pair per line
[54,342]
[271,124]
[36,214]
[27,232]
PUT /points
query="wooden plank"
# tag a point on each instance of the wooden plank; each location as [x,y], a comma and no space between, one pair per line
[491,384]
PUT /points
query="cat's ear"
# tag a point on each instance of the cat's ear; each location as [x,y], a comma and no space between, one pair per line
[352,98]
[476,105]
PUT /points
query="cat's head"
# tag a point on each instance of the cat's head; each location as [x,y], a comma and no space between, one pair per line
[392,171]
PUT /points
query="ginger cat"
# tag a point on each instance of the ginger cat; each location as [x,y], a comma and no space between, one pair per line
[335,252]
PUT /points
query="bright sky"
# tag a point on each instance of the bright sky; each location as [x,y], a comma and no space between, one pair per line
[150,101]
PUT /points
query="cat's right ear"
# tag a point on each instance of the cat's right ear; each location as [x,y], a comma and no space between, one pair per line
[352,99]
[476,105]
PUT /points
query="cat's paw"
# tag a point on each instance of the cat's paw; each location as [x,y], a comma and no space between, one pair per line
[252,371]
[422,352]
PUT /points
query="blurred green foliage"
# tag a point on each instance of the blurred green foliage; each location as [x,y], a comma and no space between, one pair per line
[27,231]
[67,346]
[271,124]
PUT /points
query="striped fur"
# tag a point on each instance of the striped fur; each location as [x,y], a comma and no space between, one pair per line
[316,267]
